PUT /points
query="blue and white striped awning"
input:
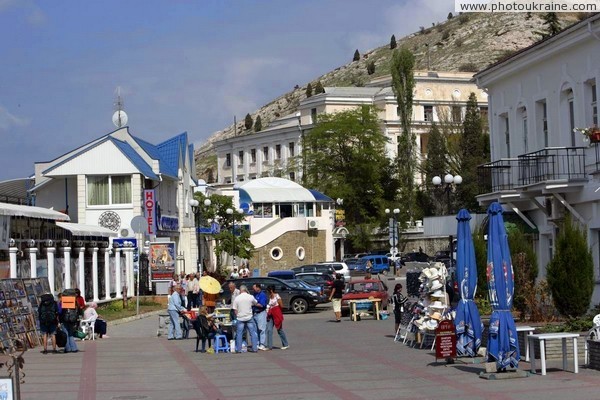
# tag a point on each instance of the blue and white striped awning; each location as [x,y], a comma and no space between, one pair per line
[278,190]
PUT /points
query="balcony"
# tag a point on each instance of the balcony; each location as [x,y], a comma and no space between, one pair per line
[565,164]
[498,176]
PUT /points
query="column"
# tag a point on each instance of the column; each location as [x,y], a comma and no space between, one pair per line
[106,274]
[13,262]
[95,272]
[81,262]
[118,272]
[33,261]
[67,257]
[50,251]
[128,275]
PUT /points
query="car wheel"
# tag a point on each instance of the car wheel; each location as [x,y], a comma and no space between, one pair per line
[299,305]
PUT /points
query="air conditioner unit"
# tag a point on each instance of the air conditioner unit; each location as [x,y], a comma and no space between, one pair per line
[313,224]
[124,232]
[554,208]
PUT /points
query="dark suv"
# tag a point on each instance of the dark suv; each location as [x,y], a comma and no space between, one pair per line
[324,268]
[297,300]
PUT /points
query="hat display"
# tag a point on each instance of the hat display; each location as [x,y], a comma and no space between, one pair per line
[437,316]
[437,304]
[435,285]
[438,293]
[434,273]
[431,324]
[426,272]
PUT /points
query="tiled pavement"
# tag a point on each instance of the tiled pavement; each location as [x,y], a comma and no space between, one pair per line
[349,360]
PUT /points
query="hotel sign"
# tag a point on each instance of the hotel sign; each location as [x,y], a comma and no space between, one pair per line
[150,210]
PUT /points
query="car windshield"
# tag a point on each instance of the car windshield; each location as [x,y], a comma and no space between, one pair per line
[299,283]
[363,287]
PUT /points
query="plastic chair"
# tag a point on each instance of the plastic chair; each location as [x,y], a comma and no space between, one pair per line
[87,326]
[221,344]
[593,334]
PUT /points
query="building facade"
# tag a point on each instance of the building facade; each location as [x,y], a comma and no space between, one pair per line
[541,167]
[439,97]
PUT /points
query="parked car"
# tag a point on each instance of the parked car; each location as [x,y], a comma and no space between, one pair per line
[327,269]
[363,289]
[379,264]
[318,278]
[296,299]
[418,256]
[282,274]
[340,268]
[310,286]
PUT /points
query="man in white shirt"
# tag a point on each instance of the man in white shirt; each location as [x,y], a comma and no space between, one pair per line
[242,306]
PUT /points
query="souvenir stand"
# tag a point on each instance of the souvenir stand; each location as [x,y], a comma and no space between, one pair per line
[431,308]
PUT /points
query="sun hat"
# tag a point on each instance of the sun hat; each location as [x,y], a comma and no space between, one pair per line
[431,324]
[434,273]
[437,304]
[436,315]
[435,285]
[438,293]
[427,272]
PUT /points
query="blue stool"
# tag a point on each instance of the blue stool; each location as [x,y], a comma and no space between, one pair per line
[221,344]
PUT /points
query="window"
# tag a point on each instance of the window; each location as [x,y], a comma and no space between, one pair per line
[292,149]
[313,115]
[572,119]
[525,143]
[265,154]
[483,113]
[228,160]
[253,156]
[278,152]
[594,105]
[108,190]
[505,122]
[428,113]
[293,176]
[241,157]
[456,114]
[542,111]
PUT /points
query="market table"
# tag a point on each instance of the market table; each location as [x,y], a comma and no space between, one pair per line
[542,337]
[374,302]
[529,331]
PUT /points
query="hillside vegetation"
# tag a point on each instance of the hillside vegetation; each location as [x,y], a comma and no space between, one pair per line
[467,42]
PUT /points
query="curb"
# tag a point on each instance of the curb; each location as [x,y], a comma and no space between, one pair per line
[134,318]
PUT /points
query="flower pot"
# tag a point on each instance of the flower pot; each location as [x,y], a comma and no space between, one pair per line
[595,136]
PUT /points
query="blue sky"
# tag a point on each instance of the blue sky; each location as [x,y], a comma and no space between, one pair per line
[181,65]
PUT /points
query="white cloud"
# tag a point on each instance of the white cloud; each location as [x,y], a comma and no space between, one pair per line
[8,120]
[406,18]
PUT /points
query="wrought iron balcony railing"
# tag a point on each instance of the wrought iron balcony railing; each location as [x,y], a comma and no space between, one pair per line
[498,175]
[552,164]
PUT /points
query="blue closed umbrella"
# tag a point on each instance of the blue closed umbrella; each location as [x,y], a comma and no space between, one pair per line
[468,322]
[503,344]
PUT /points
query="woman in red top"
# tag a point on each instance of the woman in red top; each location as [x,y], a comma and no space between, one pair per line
[275,319]
[80,301]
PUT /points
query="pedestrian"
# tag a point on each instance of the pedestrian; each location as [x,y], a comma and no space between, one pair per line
[242,306]
[190,292]
[244,271]
[275,319]
[337,291]
[234,274]
[234,293]
[91,314]
[68,324]
[174,308]
[398,301]
[80,302]
[48,316]
[207,326]
[260,314]
[197,291]
[184,283]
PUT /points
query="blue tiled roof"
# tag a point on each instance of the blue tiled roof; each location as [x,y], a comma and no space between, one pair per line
[157,154]
[320,196]
[173,150]
[135,158]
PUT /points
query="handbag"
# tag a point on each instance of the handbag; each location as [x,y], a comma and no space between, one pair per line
[79,334]
[61,338]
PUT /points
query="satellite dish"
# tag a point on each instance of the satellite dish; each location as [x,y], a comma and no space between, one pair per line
[120,118]
[139,224]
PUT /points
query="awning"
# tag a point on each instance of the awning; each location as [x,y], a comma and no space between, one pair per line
[86,230]
[16,210]
[277,190]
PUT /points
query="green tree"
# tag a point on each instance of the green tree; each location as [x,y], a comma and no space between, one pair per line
[344,157]
[248,121]
[525,268]
[309,90]
[356,56]
[393,43]
[472,154]
[480,246]
[258,124]
[435,164]
[371,67]
[449,15]
[403,83]
[570,273]
[551,25]
[319,88]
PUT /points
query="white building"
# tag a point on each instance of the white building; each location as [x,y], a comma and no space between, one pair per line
[277,150]
[110,181]
[540,167]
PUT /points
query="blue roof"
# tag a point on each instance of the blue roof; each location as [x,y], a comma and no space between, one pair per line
[135,158]
[171,151]
[320,196]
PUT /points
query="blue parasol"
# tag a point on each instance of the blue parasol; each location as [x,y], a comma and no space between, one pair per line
[503,344]
[468,323]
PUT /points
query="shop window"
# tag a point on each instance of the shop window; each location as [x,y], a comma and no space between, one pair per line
[109,190]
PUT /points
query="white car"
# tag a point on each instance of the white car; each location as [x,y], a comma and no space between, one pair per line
[340,268]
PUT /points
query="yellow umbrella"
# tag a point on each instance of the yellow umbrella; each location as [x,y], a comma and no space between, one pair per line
[210,285]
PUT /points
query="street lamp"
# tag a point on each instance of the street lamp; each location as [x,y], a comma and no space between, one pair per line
[450,182]
[197,217]
[230,212]
[394,232]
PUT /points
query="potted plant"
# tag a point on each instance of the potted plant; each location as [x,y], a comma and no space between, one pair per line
[592,133]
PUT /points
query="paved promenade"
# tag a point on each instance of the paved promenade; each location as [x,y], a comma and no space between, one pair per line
[349,360]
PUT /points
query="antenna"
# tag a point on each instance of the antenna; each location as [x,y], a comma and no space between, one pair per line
[119,118]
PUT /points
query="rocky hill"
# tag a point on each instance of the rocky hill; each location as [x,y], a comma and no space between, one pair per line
[467,42]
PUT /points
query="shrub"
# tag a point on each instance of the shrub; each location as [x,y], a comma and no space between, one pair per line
[468,67]
[248,121]
[393,43]
[450,15]
[258,124]
[458,42]
[445,35]
[371,68]
[319,88]
[463,19]
[356,55]
[570,273]
[525,268]
[309,90]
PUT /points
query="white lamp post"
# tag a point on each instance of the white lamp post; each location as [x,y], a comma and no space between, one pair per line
[394,236]
[197,222]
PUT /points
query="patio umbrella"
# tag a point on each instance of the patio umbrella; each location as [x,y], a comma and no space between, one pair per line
[210,285]
[503,344]
[468,322]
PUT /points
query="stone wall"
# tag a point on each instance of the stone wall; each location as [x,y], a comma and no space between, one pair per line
[312,241]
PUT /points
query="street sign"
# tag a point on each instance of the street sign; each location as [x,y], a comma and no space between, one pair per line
[393,229]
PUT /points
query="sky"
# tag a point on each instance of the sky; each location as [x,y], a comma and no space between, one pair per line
[182,65]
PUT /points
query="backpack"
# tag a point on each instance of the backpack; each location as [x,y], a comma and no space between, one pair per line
[70,315]
[48,310]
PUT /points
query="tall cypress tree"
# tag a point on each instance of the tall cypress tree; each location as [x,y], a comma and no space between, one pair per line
[258,124]
[403,83]
[309,90]
[472,154]
[435,165]
[356,56]
[393,42]
[319,88]
[248,121]
[551,25]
